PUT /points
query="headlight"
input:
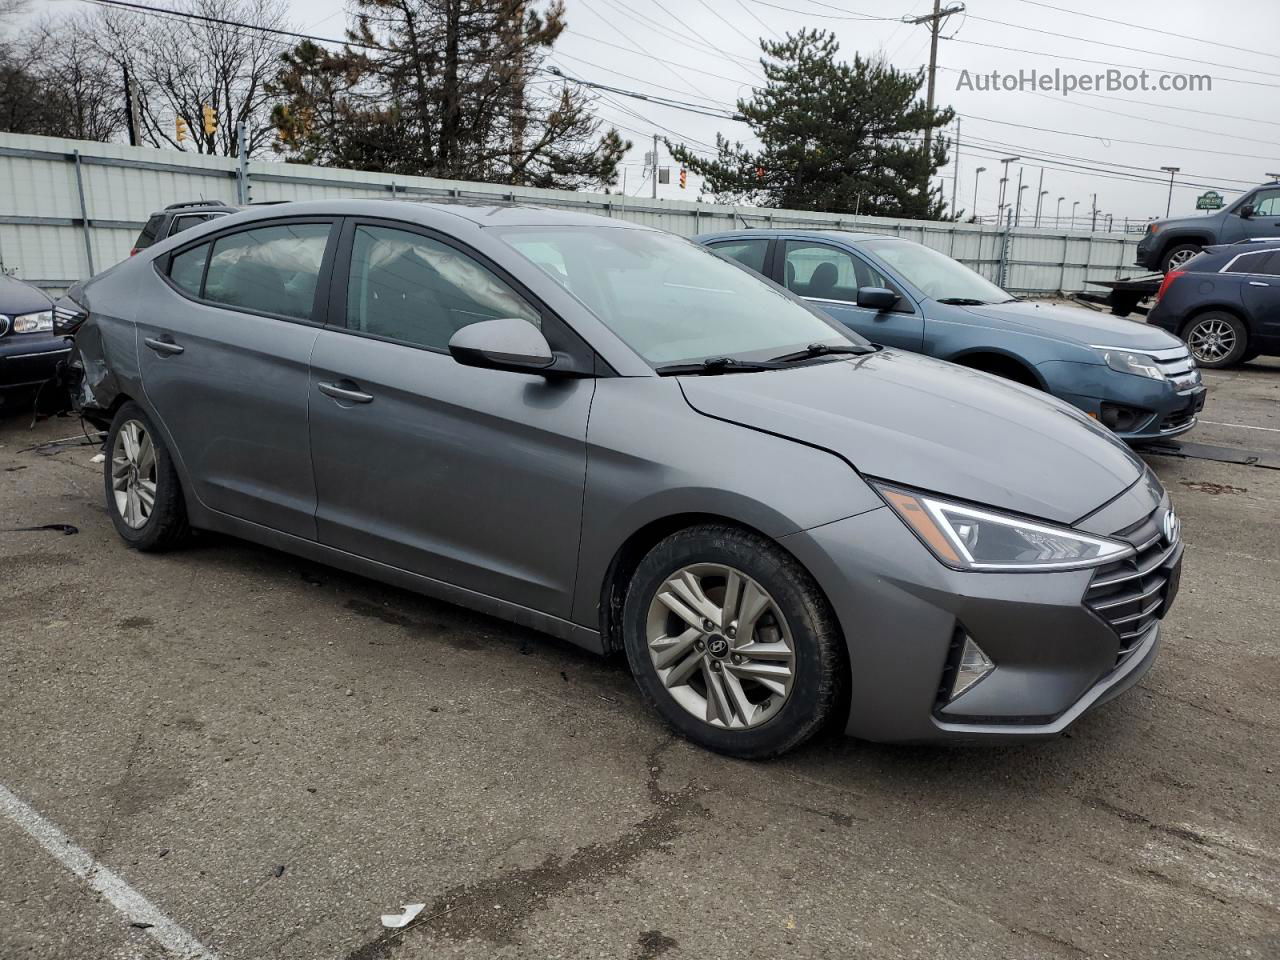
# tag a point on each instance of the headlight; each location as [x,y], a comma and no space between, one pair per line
[33,322]
[1139,364]
[965,538]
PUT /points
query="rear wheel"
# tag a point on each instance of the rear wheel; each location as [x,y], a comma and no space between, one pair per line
[1178,255]
[1216,339]
[144,496]
[732,642]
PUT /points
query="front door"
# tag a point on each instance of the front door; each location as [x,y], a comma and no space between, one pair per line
[223,351]
[1264,222]
[829,277]
[1261,293]
[472,477]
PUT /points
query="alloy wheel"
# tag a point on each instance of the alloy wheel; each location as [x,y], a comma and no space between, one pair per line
[1211,340]
[1181,257]
[133,473]
[721,646]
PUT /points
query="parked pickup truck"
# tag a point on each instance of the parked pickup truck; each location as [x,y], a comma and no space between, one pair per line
[1170,243]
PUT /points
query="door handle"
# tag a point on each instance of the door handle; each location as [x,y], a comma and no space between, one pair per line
[163,346]
[1258,283]
[345,393]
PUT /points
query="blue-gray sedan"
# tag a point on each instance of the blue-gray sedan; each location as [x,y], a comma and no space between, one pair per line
[1137,380]
[609,433]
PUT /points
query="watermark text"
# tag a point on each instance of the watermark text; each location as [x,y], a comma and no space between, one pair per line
[1059,81]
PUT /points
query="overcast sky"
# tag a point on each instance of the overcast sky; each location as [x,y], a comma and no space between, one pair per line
[1225,137]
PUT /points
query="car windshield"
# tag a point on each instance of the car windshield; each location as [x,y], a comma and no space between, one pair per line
[669,299]
[935,274]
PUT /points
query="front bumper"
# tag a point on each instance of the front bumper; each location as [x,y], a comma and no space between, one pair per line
[1145,256]
[901,611]
[1149,409]
[30,359]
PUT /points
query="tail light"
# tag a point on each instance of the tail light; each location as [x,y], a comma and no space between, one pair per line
[134,251]
[1169,277]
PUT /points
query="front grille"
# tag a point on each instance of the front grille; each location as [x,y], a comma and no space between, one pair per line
[1131,595]
[1177,364]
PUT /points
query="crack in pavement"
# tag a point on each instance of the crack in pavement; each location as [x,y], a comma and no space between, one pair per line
[494,910]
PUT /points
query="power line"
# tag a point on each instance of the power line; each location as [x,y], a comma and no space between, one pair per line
[723,114]
[675,63]
[843,15]
[1139,143]
[728,23]
[756,17]
[688,85]
[626,76]
[183,15]
[1147,28]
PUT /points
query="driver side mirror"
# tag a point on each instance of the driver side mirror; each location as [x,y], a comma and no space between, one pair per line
[877,298]
[507,344]
[1247,211]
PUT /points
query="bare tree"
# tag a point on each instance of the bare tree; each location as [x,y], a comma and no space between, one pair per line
[183,63]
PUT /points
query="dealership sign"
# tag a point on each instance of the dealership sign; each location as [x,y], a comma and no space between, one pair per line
[1209,200]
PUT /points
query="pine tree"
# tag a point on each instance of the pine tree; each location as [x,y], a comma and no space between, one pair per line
[444,88]
[834,136]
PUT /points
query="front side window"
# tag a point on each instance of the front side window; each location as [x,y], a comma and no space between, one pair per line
[408,287]
[749,253]
[1266,203]
[669,299]
[268,270]
[828,273]
[935,274]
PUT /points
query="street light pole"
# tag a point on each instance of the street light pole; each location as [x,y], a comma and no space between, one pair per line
[1006,161]
[1039,204]
[1057,215]
[1073,214]
[976,174]
[1171,171]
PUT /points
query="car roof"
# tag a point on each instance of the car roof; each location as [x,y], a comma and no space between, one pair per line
[846,236]
[1243,247]
[480,213]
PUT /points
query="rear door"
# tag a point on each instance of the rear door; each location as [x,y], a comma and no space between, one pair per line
[829,277]
[224,349]
[468,476]
[751,252]
[1260,291]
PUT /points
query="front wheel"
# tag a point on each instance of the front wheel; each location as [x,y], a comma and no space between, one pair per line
[1216,339]
[732,642]
[144,496]
[1177,256]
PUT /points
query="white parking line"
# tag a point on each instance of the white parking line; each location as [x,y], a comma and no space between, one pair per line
[1242,426]
[136,908]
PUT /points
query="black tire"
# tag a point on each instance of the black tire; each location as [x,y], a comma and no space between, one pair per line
[1197,327]
[820,671]
[1177,255]
[165,527]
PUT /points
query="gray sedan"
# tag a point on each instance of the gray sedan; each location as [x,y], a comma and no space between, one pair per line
[1137,380]
[610,434]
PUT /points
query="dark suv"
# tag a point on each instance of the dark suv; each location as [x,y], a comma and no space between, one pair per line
[1225,303]
[1171,243]
[177,217]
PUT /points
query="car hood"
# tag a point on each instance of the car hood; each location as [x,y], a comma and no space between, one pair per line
[17,297]
[935,426]
[1078,324]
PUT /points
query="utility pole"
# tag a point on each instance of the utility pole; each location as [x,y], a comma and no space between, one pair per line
[1093,226]
[130,108]
[934,20]
[955,179]
[1171,171]
[1017,201]
[976,174]
[654,169]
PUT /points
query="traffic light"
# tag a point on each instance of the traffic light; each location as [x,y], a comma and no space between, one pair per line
[210,119]
[684,177]
[181,126]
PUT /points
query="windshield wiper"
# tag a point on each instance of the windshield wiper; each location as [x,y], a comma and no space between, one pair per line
[714,365]
[964,302]
[823,349]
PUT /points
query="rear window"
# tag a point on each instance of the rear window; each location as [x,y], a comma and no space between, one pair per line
[187,269]
[149,232]
[268,270]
